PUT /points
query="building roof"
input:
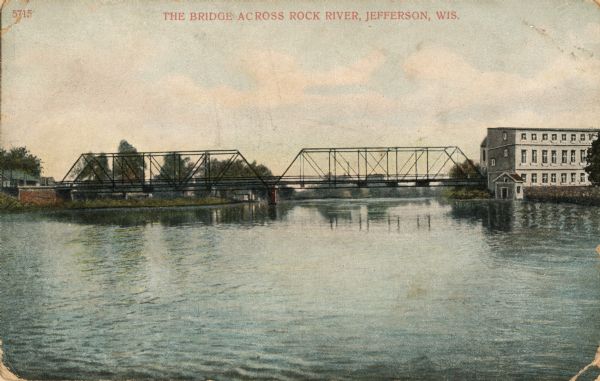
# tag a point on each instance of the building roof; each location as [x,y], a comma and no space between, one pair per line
[17,174]
[513,176]
[484,142]
[546,129]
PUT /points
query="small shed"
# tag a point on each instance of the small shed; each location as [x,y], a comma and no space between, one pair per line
[508,186]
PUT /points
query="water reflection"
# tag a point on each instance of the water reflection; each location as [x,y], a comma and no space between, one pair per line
[364,289]
[248,213]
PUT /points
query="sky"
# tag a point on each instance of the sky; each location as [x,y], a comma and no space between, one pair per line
[80,76]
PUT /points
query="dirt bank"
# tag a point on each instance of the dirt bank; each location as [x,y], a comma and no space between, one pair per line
[5,373]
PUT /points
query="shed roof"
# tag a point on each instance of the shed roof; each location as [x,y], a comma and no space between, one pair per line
[513,176]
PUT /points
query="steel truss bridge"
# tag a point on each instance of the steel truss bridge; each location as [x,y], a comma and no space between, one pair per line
[217,170]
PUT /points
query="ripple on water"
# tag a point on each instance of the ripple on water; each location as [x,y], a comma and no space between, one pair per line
[374,289]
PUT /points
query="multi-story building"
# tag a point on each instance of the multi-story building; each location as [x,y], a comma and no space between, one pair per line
[535,156]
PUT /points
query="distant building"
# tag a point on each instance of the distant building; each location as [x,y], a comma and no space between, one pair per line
[508,186]
[535,156]
[14,178]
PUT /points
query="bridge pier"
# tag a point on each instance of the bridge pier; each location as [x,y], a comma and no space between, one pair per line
[273,196]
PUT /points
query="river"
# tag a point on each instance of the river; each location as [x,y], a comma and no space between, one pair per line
[324,289]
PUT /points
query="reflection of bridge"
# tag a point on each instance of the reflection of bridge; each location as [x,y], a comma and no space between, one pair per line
[214,170]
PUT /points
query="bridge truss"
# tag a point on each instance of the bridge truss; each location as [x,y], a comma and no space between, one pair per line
[311,167]
[163,171]
[381,167]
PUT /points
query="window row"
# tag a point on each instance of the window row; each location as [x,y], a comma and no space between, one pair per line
[553,177]
[566,156]
[554,137]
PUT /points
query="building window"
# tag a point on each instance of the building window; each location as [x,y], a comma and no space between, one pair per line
[591,136]
[533,136]
[524,177]
[563,137]
[493,162]
[544,178]
[565,154]
[523,156]
[544,156]
[553,178]
[504,136]
[572,156]
[582,137]
[553,157]
[534,178]
[544,136]
[583,155]
[483,152]
[573,177]
[505,152]
[523,136]
[553,136]
[582,177]
[573,137]
[518,189]
[563,178]
[534,156]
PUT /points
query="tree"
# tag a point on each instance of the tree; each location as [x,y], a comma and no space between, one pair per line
[175,167]
[466,169]
[593,162]
[93,168]
[128,165]
[19,158]
[239,168]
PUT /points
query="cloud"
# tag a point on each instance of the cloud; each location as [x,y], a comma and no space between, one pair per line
[448,81]
[276,102]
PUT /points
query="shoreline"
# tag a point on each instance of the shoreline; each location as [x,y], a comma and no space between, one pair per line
[12,205]
[5,373]
[584,195]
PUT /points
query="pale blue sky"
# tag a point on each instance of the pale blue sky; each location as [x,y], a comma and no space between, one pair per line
[80,76]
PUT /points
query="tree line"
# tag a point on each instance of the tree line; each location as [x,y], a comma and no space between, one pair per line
[20,159]
[129,166]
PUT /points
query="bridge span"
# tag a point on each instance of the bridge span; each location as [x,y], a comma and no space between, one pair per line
[218,170]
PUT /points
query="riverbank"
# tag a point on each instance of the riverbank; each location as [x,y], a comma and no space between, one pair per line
[11,204]
[5,373]
[586,195]
[466,194]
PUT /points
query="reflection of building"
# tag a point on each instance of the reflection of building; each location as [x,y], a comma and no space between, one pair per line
[538,157]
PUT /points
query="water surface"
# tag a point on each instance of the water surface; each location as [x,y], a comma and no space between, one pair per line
[367,289]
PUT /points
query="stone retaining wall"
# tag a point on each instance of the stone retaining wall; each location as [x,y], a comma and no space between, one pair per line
[585,195]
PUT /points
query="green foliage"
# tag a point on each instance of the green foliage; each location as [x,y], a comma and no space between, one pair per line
[175,167]
[93,168]
[19,158]
[143,203]
[462,193]
[130,166]
[9,203]
[239,168]
[466,169]
[593,160]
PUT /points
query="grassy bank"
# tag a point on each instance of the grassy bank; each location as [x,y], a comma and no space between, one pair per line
[459,193]
[8,203]
[583,195]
